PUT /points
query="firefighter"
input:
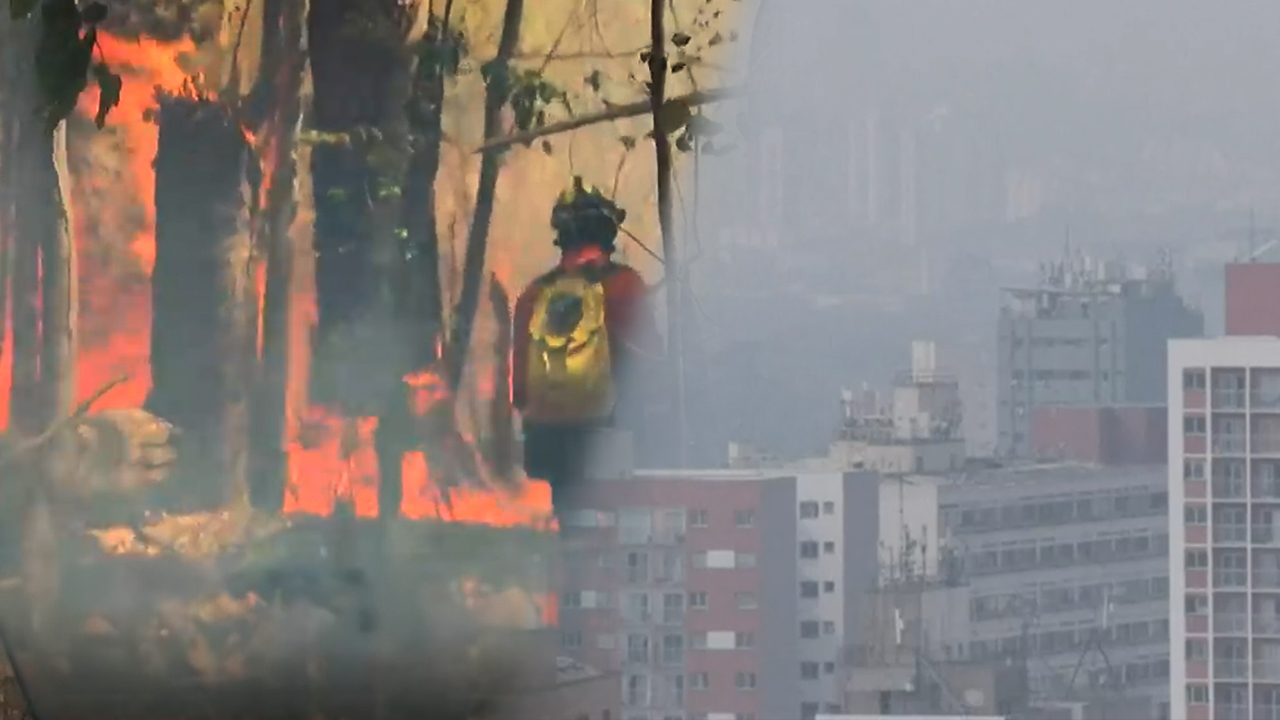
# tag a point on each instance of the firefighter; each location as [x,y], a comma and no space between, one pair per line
[577,328]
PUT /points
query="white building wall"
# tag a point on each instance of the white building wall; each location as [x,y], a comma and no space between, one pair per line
[827,490]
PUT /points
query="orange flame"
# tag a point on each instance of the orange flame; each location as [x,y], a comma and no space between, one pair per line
[328,456]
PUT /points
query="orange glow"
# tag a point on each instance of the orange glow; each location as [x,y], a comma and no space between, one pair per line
[329,457]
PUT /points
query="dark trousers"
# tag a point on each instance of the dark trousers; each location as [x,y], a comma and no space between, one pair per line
[558,454]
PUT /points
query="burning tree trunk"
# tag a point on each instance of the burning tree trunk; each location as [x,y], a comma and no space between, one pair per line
[284,63]
[362,85]
[203,299]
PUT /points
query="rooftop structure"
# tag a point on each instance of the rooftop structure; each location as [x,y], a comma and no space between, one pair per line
[1091,333]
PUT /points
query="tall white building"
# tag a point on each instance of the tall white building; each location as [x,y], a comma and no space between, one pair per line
[1224,528]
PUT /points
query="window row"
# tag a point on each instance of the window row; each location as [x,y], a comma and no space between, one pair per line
[1028,556]
[1069,639]
[809,549]
[1068,598]
[1130,502]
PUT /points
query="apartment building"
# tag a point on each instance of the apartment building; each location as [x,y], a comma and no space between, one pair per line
[1063,565]
[1224,521]
[720,594]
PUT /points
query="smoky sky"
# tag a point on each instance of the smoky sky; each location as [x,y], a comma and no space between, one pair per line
[897,162]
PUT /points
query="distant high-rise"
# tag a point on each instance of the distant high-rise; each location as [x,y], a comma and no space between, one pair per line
[1089,334]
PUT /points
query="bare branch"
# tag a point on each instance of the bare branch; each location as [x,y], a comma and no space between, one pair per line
[617,112]
[34,443]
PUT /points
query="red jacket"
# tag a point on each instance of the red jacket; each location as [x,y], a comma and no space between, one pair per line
[629,321]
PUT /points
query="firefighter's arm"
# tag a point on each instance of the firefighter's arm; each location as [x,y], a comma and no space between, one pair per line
[636,324]
[522,316]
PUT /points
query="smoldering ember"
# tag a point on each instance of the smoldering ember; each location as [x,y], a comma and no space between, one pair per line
[258,451]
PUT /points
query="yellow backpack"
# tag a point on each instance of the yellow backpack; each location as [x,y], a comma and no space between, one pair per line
[570,376]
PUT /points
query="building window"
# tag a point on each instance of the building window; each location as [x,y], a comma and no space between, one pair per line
[1197,604]
[699,560]
[829,548]
[828,668]
[673,649]
[745,518]
[570,600]
[699,681]
[809,550]
[809,629]
[829,508]
[808,510]
[808,710]
[638,649]
[1198,694]
[571,639]
[1193,470]
[744,560]
[697,601]
[828,586]
[828,627]
[1193,380]
[745,600]
[1193,425]
[744,640]
[698,518]
[1197,650]
[1196,515]
[808,589]
[637,690]
[1197,559]
[744,680]
[809,670]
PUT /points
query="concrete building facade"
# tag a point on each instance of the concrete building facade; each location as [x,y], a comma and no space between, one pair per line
[1224,521]
[719,594]
[1090,334]
[1064,565]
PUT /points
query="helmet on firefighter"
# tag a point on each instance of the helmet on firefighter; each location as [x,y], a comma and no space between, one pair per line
[583,215]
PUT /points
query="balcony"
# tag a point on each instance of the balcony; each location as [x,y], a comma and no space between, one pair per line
[1228,399]
[1266,579]
[1224,444]
[1232,533]
[1266,443]
[1230,577]
[1266,488]
[1266,712]
[1264,535]
[1231,712]
[1231,668]
[1229,489]
[1266,625]
[1231,624]
[1266,670]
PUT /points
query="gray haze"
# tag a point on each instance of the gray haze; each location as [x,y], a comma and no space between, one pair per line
[899,161]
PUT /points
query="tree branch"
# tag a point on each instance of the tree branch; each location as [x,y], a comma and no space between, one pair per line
[616,112]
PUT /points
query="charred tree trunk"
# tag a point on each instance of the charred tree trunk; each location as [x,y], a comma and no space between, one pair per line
[284,63]
[497,91]
[501,448]
[203,298]
[362,85]
[59,299]
[21,152]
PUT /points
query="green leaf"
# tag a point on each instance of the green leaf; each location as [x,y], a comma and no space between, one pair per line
[109,86]
[20,9]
